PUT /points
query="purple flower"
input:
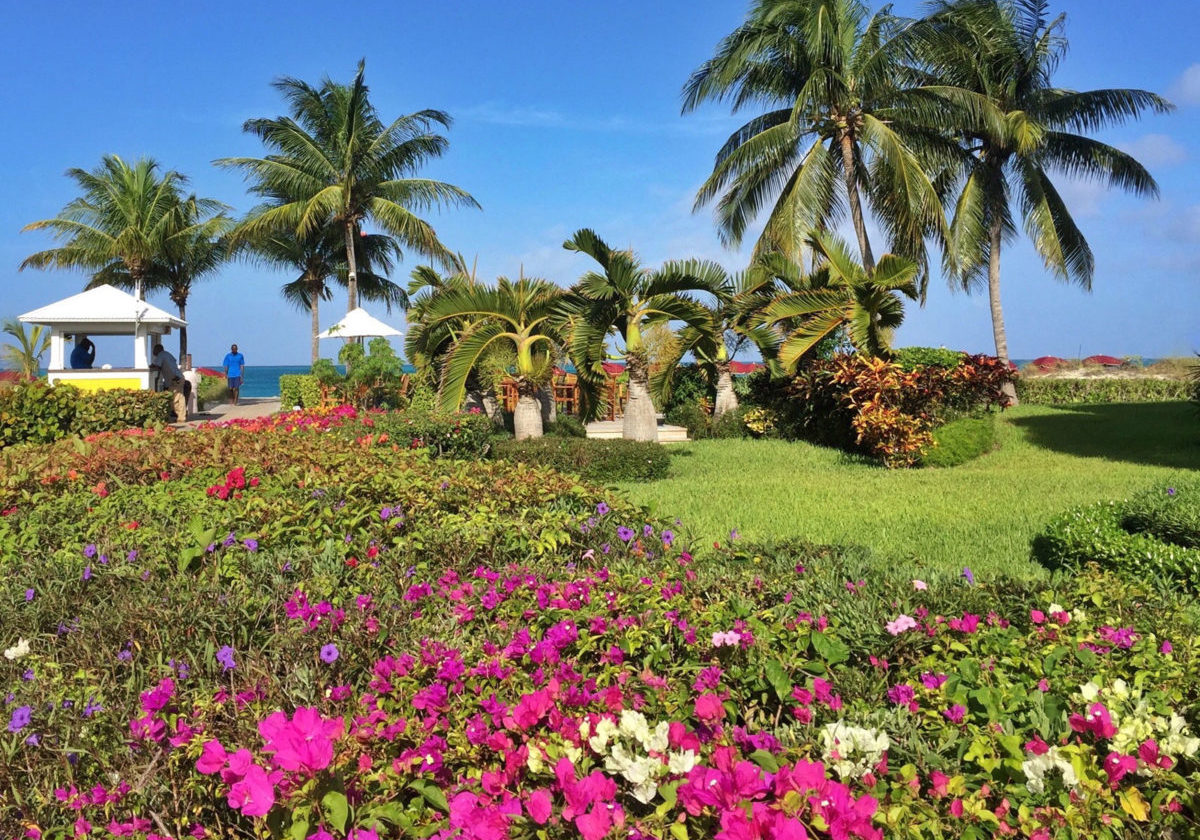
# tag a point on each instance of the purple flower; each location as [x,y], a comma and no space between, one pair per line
[932,681]
[902,694]
[329,654]
[969,575]
[91,707]
[87,572]
[1170,491]
[28,675]
[103,559]
[606,548]
[33,740]
[1166,647]
[225,657]
[89,551]
[230,540]
[626,534]
[733,535]
[647,531]
[385,514]
[20,718]
[131,556]
[602,509]
[251,544]
[956,713]
[668,537]
[211,548]
[29,593]
[125,655]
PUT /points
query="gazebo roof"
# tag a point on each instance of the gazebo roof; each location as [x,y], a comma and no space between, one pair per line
[100,308]
[359,323]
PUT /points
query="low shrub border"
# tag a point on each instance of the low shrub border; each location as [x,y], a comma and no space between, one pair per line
[603,461]
[960,441]
[1153,535]
[34,412]
[1046,391]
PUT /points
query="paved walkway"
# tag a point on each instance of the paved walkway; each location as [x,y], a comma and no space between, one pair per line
[246,409]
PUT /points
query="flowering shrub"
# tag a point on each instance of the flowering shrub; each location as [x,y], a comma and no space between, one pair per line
[33,412]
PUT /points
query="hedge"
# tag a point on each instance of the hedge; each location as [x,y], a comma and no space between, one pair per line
[1041,391]
[592,460]
[34,412]
[299,389]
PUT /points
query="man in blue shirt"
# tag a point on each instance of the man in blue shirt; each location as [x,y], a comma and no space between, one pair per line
[84,353]
[234,362]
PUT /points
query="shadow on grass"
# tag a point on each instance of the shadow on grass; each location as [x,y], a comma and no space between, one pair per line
[1152,434]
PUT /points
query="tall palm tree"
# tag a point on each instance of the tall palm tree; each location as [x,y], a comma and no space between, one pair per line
[25,356]
[624,297]
[843,126]
[842,294]
[320,258]
[121,222]
[732,323]
[193,248]
[998,58]
[521,317]
[335,162]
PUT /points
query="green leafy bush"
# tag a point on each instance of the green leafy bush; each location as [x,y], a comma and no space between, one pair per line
[1171,514]
[1047,391]
[960,441]
[565,426]
[910,358]
[1103,534]
[593,460]
[299,389]
[33,412]
[465,436]
[213,390]
[694,417]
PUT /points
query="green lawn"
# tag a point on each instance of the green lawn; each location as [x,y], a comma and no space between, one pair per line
[981,514]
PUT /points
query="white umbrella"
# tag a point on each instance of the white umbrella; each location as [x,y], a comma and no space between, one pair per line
[358,323]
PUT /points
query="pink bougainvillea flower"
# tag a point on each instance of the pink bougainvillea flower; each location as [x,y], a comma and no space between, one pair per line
[938,781]
[1097,721]
[212,757]
[1117,766]
[254,794]
[304,743]
[708,708]
[1149,753]
[956,713]
[539,806]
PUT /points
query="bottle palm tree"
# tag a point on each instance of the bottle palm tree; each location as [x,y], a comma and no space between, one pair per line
[998,57]
[519,317]
[25,356]
[121,222]
[841,294]
[193,248]
[335,162]
[624,297]
[320,258]
[844,126]
[731,324]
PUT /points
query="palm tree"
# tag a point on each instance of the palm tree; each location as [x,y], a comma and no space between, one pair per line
[624,297]
[26,355]
[843,125]
[121,222]
[519,317]
[732,322]
[998,57]
[334,162]
[320,257]
[193,248]
[842,294]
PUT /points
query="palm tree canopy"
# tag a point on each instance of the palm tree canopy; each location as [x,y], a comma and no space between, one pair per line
[334,161]
[842,116]
[25,356]
[123,221]
[995,61]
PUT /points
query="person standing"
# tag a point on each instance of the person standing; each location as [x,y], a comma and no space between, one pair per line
[191,386]
[84,353]
[234,364]
[170,379]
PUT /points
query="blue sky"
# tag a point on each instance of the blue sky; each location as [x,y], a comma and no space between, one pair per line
[566,116]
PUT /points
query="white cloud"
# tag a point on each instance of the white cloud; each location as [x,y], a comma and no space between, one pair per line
[1157,150]
[1186,90]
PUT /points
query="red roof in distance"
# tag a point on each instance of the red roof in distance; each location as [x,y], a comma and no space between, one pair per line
[1107,361]
[1047,362]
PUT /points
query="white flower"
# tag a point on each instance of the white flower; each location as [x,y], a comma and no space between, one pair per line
[1036,767]
[21,648]
[633,725]
[605,730]
[645,791]
[658,740]
[681,761]
[852,750]
[1090,691]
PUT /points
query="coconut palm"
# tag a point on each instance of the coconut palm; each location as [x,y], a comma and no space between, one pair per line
[842,294]
[518,317]
[335,162]
[998,58]
[25,356]
[193,248]
[624,297]
[731,324]
[321,257]
[843,126]
[121,222]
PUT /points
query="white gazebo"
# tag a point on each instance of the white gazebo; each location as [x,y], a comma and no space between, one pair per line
[359,323]
[104,310]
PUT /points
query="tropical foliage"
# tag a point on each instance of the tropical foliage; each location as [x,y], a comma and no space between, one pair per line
[25,356]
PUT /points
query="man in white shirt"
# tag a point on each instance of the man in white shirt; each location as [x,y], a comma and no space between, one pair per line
[192,377]
[170,379]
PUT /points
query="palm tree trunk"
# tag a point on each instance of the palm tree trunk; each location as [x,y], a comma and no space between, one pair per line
[856,212]
[726,397]
[314,304]
[640,422]
[352,274]
[545,396]
[996,236]
[182,331]
[527,417]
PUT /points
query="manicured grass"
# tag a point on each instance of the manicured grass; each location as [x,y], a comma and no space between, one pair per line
[981,514]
